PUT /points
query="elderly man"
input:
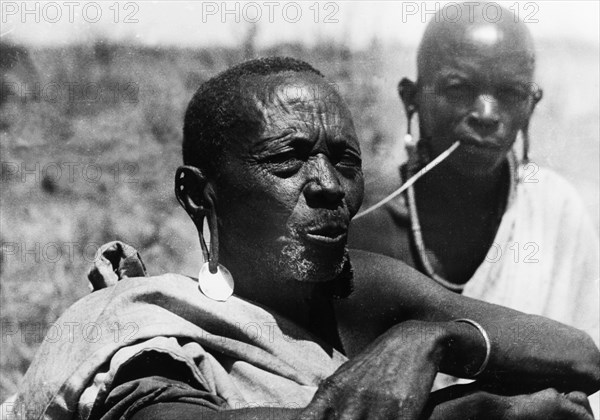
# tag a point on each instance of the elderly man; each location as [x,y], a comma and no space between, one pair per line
[313,332]
[481,223]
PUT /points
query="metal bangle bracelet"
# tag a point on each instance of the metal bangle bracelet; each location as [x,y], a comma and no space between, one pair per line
[488,344]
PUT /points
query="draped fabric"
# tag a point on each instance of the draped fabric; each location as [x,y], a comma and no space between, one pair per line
[230,354]
[545,257]
[544,260]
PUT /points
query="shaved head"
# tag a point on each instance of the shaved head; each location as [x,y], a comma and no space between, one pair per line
[474,28]
[475,85]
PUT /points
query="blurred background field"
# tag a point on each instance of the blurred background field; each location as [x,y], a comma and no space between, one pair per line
[118,144]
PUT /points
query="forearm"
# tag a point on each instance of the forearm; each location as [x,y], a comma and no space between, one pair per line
[536,353]
[524,348]
[188,411]
[529,350]
[474,406]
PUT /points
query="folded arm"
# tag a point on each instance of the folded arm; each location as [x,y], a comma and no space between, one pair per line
[391,379]
[528,351]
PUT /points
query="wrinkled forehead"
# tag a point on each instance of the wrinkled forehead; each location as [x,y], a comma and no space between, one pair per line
[301,101]
[300,94]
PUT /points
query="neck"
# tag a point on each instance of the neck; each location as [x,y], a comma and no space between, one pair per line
[293,299]
[307,304]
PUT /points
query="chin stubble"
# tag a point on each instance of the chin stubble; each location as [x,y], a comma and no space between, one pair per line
[311,266]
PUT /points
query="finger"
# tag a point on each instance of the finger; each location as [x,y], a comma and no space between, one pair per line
[574,411]
[580,398]
[452,392]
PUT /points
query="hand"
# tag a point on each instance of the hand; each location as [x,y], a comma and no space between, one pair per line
[549,404]
[390,379]
[469,401]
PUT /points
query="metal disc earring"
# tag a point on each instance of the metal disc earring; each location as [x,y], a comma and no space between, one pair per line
[216,286]
[214,280]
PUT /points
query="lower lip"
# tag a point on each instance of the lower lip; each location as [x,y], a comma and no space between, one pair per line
[326,240]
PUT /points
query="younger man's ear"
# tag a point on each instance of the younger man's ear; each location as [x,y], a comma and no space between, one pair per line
[407,89]
[538,94]
[193,191]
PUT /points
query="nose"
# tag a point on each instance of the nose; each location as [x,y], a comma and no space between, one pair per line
[484,118]
[324,188]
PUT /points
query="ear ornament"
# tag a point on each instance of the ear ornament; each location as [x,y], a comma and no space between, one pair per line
[214,280]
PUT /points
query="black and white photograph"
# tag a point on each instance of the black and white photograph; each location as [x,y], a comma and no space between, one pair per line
[328,210]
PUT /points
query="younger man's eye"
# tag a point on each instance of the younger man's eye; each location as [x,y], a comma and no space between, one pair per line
[512,95]
[459,92]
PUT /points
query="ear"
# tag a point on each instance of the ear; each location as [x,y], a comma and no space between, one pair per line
[197,196]
[407,89]
[537,96]
[194,192]
[211,207]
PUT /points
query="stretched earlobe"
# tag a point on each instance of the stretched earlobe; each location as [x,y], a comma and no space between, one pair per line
[525,133]
[190,184]
[213,228]
[197,196]
[214,280]
[537,96]
[407,90]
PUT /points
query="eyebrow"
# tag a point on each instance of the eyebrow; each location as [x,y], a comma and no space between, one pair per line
[452,72]
[286,137]
[285,133]
[509,79]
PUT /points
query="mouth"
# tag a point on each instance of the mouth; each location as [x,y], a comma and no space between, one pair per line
[473,144]
[327,234]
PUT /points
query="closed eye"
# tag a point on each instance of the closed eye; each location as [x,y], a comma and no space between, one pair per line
[348,162]
[349,159]
[285,163]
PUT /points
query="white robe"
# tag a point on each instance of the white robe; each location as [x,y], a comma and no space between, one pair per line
[544,260]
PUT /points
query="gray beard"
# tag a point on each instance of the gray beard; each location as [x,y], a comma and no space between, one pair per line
[296,262]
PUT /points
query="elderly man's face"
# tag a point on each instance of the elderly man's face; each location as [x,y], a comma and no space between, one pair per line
[478,93]
[286,196]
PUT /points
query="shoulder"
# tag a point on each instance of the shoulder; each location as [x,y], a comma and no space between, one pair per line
[545,181]
[392,283]
[148,305]
[372,265]
[386,292]
[375,304]
[134,289]
[95,327]
[552,193]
